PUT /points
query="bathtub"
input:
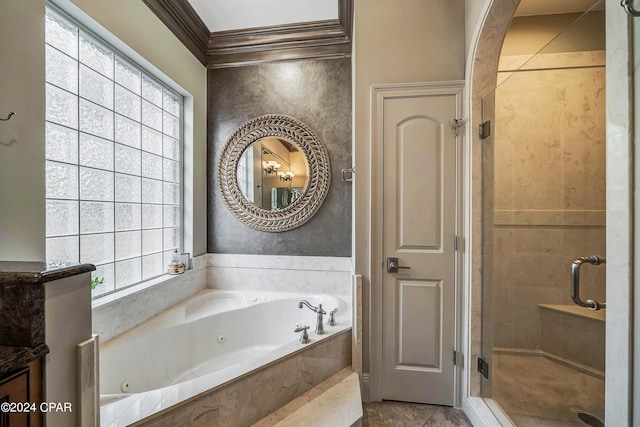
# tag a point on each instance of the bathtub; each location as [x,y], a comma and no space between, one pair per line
[202,343]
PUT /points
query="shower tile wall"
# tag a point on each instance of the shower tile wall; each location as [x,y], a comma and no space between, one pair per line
[549,191]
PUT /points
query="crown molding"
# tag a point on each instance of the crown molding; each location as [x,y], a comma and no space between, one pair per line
[345,16]
[318,39]
[183,21]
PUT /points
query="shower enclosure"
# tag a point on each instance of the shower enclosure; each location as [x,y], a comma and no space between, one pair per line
[544,217]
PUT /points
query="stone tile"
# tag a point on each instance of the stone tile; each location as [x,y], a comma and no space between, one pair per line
[551,391]
[417,412]
[390,413]
[528,421]
[333,402]
[379,414]
[448,417]
[249,398]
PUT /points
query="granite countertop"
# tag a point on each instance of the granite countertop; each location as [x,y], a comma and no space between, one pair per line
[22,309]
[31,272]
[13,358]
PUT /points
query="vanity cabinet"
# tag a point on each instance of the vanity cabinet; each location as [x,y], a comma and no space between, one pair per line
[23,388]
[35,298]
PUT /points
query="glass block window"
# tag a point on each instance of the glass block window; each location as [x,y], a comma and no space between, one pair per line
[113,171]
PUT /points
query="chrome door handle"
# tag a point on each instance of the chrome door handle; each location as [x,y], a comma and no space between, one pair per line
[393,266]
[575,282]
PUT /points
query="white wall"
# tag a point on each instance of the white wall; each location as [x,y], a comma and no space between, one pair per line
[66,303]
[22,207]
[22,191]
[472,13]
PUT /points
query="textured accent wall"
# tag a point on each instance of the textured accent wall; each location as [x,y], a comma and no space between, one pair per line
[316,92]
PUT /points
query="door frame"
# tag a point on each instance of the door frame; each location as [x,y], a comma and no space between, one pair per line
[378,95]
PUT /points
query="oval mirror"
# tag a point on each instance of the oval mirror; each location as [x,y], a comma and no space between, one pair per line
[274,173]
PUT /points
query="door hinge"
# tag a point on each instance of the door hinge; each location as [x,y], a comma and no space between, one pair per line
[455,243]
[455,357]
[484,129]
[483,367]
[456,124]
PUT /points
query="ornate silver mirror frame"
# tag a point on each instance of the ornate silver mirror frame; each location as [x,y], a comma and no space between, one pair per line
[298,212]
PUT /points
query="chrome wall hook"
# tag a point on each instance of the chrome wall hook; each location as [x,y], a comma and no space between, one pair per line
[347,174]
[628,7]
[11,114]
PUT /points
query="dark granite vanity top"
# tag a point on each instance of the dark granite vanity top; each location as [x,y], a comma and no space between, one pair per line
[22,319]
[28,272]
[12,358]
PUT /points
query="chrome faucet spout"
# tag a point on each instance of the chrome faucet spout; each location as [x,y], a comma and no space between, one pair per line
[319,311]
[305,302]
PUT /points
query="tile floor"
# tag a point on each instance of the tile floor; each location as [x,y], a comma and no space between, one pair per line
[538,392]
[404,414]
[533,391]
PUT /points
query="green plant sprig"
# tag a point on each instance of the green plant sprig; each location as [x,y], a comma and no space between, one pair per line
[96,281]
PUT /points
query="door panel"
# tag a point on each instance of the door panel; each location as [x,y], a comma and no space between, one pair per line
[419,302]
[419,180]
[419,195]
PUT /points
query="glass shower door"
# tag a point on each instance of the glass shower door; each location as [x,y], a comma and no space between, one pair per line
[543,209]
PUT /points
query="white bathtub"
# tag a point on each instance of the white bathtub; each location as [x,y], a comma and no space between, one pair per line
[209,339]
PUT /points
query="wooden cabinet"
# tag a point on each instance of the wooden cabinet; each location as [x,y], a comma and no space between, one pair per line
[23,390]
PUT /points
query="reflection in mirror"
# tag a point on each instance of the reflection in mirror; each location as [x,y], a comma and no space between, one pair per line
[306,178]
[272,173]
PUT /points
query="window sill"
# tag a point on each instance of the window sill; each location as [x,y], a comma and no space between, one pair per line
[102,300]
[198,263]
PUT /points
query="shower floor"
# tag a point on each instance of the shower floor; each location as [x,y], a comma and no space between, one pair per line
[538,392]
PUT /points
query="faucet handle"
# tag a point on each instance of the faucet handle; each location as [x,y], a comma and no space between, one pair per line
[332,320]
[304,338]
[321,310]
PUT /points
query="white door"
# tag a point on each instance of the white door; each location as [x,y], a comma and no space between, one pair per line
[419,196]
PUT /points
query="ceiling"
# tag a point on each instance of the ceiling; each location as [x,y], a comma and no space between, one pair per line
[548,7]
[223,15]
[223,33]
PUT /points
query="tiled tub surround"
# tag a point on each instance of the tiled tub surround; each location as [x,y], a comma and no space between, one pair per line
[112,317]
[305,274]
[226,356]
[115,314]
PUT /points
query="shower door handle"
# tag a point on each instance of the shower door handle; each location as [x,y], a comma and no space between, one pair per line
[575,282]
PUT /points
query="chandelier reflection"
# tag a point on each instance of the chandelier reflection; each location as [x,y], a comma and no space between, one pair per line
[286,176]
[271,167]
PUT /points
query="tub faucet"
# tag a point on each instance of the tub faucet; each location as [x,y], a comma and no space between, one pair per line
[332,320]
[304,338]
[319,311]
